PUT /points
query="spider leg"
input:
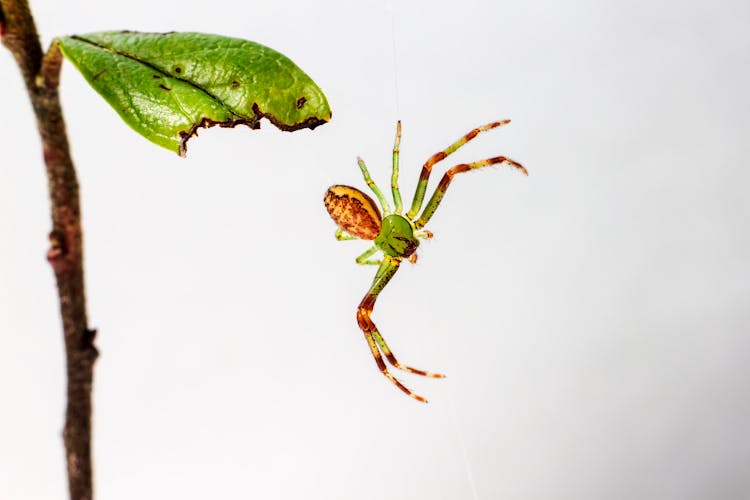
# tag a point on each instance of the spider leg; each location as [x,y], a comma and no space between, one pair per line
[342,235]
[437,196]
[375,189]
[424,177]
[364,260]
[394,175]
[386,271]
[394,362]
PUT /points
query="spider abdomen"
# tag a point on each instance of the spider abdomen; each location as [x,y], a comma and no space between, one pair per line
[353,211]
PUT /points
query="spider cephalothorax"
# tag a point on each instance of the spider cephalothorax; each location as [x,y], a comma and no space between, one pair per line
[396,237]
[394,233]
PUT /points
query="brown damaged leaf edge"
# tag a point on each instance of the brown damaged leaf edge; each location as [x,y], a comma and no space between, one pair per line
[253,123]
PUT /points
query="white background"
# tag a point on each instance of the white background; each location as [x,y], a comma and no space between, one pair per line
[592,318]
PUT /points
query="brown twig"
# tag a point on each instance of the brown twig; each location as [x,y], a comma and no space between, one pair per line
[41,75]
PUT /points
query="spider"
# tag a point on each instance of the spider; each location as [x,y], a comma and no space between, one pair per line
[395,234]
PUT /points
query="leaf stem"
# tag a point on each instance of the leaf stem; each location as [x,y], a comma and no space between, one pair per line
[41,75]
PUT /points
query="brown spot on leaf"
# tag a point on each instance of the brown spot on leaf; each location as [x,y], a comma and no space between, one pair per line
[155,76]
[178,70]
[301,102]
[161,85]
[235,84]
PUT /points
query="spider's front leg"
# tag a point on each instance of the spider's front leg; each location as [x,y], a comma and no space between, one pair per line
[437,196]
[376,342]
[424,177]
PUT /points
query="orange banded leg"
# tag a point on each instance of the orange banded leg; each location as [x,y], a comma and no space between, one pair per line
[374,340]
[437,197]
[424,177]
[394,362]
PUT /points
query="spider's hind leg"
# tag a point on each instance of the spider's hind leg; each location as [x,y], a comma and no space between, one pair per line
[394,362]
[374,340]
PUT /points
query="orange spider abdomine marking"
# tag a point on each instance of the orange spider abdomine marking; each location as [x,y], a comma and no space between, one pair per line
[353,211]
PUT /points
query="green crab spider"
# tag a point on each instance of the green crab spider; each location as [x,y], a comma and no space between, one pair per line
[395,234]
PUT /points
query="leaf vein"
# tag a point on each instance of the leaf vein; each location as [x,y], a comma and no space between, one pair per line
[156,68]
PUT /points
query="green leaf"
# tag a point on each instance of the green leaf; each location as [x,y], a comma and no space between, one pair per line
[168,85]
